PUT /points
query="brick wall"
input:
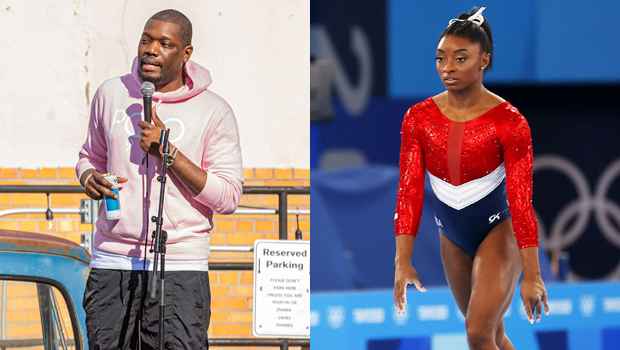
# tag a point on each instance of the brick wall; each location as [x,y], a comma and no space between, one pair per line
[64,225]
[231,290]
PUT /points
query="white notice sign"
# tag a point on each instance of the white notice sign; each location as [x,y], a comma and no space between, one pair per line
[281,289]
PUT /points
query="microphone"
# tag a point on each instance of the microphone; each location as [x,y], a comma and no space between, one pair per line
[147,90]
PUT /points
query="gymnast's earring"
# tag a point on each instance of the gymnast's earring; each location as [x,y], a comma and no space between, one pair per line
[483,67]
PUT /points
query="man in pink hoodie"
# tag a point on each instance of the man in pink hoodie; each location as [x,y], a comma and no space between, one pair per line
[205,177]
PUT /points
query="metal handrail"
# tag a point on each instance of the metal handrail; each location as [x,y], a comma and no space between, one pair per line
[80,189]
[281,191]
[16,211]
[231,266]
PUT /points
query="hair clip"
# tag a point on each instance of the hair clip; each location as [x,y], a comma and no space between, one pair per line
[476,18]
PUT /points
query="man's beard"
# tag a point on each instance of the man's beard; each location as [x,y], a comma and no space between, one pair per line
[164,78]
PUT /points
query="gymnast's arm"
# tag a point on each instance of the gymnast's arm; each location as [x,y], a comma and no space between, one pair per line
[519,160]
[408,209]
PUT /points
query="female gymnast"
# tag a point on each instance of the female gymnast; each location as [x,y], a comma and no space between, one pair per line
[477,150]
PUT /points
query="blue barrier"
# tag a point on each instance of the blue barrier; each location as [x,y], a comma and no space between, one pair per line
[581,316]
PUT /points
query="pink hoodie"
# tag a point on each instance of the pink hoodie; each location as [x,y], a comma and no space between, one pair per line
[202,126]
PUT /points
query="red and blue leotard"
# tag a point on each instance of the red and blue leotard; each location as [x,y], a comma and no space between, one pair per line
[480,172]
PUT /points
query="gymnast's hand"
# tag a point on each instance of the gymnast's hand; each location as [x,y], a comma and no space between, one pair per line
[534,295]
[404,275]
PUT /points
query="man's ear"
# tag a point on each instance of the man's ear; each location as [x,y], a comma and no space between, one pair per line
[189,49]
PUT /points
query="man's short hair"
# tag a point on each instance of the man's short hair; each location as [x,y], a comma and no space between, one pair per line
[176,17]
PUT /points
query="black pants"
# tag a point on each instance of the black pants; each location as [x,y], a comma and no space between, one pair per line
[113,300]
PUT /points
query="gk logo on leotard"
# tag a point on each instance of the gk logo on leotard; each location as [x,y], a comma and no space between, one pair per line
[578,213]
[438,222]
[493,218]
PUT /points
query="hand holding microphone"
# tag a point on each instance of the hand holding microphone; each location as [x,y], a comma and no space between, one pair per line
[149,135]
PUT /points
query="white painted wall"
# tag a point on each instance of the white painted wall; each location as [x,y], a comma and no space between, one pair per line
[55,53]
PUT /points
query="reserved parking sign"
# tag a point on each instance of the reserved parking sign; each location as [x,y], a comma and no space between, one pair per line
[281,289]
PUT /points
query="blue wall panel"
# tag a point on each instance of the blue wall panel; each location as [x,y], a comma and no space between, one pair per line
[536,41]
[414,28]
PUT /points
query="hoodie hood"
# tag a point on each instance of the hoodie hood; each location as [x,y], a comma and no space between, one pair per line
[197,80]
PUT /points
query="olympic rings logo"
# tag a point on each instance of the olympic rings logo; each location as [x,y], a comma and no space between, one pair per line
[561,236]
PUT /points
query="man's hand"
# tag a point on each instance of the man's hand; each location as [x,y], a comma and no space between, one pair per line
[404,275]
[534,295]
[149,135]
[192,177]
[95,185]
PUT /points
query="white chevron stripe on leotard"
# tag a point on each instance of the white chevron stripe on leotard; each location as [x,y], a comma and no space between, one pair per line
[461,196]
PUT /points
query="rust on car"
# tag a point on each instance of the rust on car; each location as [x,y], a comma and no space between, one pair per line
[41,243]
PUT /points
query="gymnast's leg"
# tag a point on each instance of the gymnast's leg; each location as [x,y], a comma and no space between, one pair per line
[457,265]
[495,275]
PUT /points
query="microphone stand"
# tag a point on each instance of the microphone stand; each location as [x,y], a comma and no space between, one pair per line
[159,239]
